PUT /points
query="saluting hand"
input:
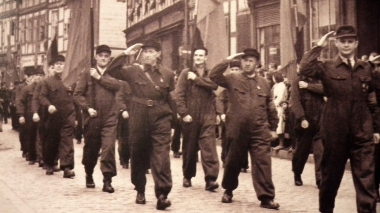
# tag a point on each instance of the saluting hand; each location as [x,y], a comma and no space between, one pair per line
[234,56]
[323,41]
[125,114]
[187,119]
[376,138]
[191,76]
[21,120]
[36,117]
[94,73]
[52,109]
[132,50]
[92,112]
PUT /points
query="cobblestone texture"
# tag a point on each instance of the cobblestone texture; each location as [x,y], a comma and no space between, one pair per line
[25,188]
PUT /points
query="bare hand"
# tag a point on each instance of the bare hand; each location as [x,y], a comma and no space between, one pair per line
[94,73]
[234,56]
[187,119]
[223,117]
[75,123]
[376,137]
[92,112]
[132,50]
[273,134]
[52,109]
[21,120]
[303,84]
[125,114]
[305,124]
[191,75]
[323,41]
[36,117]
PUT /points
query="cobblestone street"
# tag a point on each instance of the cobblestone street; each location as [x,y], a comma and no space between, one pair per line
[25,188]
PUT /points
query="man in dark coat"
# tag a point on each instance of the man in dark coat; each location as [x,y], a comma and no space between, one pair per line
[150,122]
[251,122]
[25,111]
[196,105]
[12,106]
[307,104]
[95,92]
[123,97]
[347,125]
[5,97]
[59,122]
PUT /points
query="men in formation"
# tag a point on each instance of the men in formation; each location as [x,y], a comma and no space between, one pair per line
[145,108]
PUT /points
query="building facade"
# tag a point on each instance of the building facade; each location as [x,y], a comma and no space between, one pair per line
[31,25]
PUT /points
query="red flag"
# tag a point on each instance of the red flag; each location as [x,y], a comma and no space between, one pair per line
[292,20]
[78,56]
[11,71]
[213,30]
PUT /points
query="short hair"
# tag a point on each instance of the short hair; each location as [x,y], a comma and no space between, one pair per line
[201,48]
[278,77]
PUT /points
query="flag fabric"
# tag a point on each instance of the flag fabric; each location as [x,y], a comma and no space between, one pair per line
[51,53]
[11,70]
[211,30]
[78,56]
[292,20]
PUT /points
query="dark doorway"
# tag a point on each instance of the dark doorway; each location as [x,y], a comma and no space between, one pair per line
[368,25]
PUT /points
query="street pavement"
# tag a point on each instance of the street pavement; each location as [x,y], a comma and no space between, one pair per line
[25,188]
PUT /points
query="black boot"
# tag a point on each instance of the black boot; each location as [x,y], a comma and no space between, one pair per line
[107,187]
[163,203]
[90,182]
[298,180]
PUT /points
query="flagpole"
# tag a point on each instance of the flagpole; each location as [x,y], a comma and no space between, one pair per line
[92,31]
[194,31]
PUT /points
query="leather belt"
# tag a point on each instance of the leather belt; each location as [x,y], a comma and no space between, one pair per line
[147,102]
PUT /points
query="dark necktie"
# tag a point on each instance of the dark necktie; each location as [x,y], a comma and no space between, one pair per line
[349,64]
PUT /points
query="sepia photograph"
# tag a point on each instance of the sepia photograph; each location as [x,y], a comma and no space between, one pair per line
[189,106]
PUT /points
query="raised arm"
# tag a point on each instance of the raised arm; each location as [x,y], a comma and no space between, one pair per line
[217,73]
[205,82]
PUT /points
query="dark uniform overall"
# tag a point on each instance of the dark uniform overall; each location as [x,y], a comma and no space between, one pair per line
[24,109]
[346,128]
[150,125]
[43,114]
[251,108]
[123,100]
[307,104]
[59,125]
[5,96]
[196,98]
[13,109]
[100,131]
[21,128]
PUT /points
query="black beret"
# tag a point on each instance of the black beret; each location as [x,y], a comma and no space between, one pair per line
[152,43]
[251,52]
[345,31]
[57,58]
[29,71]
[235,63]
[103,48]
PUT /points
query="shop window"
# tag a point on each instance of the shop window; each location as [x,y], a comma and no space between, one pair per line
[269,44]
[323,20]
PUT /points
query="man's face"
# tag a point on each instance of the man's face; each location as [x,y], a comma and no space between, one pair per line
[150,55]
[199,57]
[235,69]
[38,77]
[51,70]
[102,59]
[249,64]
[58,66]
[346,46]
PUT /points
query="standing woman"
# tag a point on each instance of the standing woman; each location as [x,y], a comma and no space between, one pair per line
[280,94]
